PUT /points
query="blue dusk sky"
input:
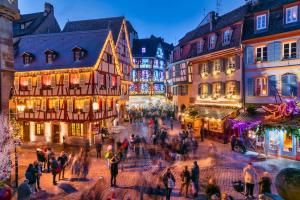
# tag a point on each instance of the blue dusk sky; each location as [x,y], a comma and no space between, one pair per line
[170,19]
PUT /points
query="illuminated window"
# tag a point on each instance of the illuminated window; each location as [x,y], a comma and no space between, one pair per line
[217,89]
[231,67]
[232,88]
[24,82]
[291,15]
[261,86]
[144,50]
[287,142]
[74,80]
[114,81]
[261,22]
[227,36]
[39,129]
[204,70]
[261,54]
[216,67]
[212,41]
[77,129]
[46,80]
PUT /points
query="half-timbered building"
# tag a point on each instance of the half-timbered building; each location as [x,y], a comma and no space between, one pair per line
[68,85]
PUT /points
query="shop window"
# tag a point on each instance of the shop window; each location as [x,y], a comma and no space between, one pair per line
[290,50]
[216,126]
[39,128]
[287,142]
[274,138]
[261,54]
[261,86]
[77,129]
[291,15]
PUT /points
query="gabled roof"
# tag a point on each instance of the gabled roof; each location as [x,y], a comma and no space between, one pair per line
[220,22]
[112,23]
[36,18]
[62,43]
[151,44]
[276,23]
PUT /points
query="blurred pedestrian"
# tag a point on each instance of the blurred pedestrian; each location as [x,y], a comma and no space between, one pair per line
[98,149]
[31,176]
[38,168]
[62,161]
[55,169]
[185,181]
[169,182]
[250,175]
[213,190]
[114,171]
[24,190]
[195,178]
[265,183]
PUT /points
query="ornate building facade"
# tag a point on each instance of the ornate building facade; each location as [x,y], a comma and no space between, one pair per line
[151,56]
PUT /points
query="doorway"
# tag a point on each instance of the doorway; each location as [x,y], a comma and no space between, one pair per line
[26,132]
[56,133]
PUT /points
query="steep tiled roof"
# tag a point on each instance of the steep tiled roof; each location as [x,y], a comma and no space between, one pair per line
[151,45]
[221,22]
[36,20]
[276,19]
[62,44]
[112,23]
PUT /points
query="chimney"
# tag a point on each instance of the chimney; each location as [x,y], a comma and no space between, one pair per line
[48,9]
[212,19]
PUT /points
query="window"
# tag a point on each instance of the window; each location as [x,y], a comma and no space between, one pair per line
[24,82]
[39,129]
[216,67]
[227,37]
[290,50]
[109,58]
[22,26]
[144,50]
[261,86]
[49,58]
[177,71]
[261,22]
[200,45]
[217,90]
[231,67]
[77,55]
[232,88]
[261,54]
[204,90]
[291,15]
[289,84]
[77,129]
[183,90]
[46,80]
[204,70]
[212,41]
[74,80]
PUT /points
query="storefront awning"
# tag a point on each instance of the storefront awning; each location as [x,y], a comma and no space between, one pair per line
[216,113]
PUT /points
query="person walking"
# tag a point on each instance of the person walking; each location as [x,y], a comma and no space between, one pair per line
[114,171]
[172,123]
[31,176]
[169,182]
[195,178]
[55,169]
[185,180]
[62,161]
[265,183]
[38,168]
[98,149]
[212,190]
[24,190]
[249,174]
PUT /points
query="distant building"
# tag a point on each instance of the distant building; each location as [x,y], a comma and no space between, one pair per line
[151,56]
[36,23]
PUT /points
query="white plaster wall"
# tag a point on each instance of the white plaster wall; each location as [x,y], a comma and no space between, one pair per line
[48,132]
[63,131]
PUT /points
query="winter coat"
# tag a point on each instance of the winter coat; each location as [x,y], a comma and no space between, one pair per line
[195,173]
[62,160]
[212,190]
[166,179]
[185,176]
[265,185]
[114,167]
[24,191]
[249,175]
[54,166]
[31,174]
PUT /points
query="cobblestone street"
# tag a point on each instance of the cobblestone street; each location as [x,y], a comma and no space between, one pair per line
[139,174]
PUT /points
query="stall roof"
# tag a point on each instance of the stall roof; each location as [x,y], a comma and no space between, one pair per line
[217,113]
[246,117]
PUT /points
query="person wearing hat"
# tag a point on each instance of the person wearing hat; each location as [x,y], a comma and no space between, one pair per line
[114,169]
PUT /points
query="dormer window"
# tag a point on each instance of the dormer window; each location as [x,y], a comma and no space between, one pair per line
[144,50]
[200,46]
[27,58]
[78,53]
[50,56]
[212,41]
[22,26]
[227,36]
[291,15]
[261,22]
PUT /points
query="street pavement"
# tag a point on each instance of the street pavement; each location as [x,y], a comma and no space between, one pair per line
[140,175]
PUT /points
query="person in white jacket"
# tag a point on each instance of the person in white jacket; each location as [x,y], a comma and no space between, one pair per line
[250,175]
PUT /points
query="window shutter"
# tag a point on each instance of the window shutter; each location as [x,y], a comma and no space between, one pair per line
[237,61]
[222,88]
[250,87]
[199,89]
[237,88]
[53,81]
[17,83]
[39,82]
[209,66]
[209,86]
[222,64]
[44,105]
[199,68]
[29,83]
[70,105]
[56,105]
[66,80]
[278,51]
[272,85]
[250,54]
[86,106]
[82,79]
[271,52]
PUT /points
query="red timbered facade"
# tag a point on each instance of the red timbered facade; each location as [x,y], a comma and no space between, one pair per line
[68,95]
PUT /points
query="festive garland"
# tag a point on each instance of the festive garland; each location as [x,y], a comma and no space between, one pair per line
[290,129]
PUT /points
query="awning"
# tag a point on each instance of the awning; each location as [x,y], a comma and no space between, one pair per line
[216,113]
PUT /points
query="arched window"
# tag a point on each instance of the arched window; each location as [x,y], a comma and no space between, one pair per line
[289,85]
